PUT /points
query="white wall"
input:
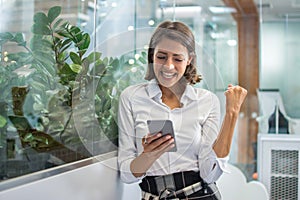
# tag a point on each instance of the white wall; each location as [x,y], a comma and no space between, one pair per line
[98,181]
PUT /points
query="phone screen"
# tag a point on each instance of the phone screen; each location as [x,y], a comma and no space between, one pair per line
[165,127]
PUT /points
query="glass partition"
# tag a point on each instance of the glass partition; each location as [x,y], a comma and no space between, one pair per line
[280,40]
[60,79]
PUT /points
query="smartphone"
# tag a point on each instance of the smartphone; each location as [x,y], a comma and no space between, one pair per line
[165,127]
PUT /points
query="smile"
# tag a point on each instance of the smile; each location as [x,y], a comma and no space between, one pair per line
[168,75]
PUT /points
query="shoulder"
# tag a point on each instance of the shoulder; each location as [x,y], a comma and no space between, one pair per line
[201,93]
[133,90]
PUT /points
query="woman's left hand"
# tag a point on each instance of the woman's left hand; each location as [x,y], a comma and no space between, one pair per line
[235,96]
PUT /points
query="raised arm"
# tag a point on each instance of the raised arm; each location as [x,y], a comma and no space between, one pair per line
[235,96]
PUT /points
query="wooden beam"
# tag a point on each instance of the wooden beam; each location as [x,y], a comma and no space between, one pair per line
[247,19]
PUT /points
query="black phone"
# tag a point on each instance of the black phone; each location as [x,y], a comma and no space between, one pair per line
[165,127]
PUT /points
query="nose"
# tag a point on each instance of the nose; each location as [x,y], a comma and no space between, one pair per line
[169,64]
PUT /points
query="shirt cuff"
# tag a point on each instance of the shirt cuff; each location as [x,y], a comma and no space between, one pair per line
[217,166]
[126,174]
[223,164]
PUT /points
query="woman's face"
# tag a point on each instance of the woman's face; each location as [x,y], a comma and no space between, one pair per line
[169,62]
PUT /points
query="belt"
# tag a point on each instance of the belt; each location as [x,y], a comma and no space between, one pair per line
[179,184]
[173,195]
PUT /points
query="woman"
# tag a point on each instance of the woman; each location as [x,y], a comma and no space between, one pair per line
[202,148]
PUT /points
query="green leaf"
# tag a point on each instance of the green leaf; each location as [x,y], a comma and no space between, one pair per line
[82,52]
[6,36]
[65,48]
[75,30]
[78,34]
[39,82]
[76,68]
[41,19]
[40,44]
[19,38]
[57,23]
[144,54]
[53,13]
[105,61]
[19,57]
[45,61]
[142,60]
[75,58]
[115,63]
[44,56]
[41,30]
[94,56]
[62,57]
[66,42]
[38,86]
[3,121]
[100,69]
[64,33]
[2,42]
[66,69]
[85,42]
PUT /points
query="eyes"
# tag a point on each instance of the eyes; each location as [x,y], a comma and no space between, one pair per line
[164,57]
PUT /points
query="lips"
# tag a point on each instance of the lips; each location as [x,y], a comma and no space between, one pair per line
[168,74]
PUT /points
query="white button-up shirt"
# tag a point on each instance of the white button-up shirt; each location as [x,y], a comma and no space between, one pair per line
[196,126]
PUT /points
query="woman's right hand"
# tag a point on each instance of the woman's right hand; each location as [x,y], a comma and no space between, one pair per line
[156,144]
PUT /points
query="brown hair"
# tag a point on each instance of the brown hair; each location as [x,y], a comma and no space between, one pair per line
[178,32]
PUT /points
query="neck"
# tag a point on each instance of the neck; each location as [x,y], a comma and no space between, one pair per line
[174,91]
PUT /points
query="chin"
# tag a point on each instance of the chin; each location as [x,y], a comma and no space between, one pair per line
[167,84]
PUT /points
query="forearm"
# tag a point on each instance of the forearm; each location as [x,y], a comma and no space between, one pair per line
[223,142]
[141,164]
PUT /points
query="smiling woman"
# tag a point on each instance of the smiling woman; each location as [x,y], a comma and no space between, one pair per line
[191,171]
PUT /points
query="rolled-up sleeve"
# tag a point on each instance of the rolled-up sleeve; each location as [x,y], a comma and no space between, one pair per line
[211,167]
[127,143]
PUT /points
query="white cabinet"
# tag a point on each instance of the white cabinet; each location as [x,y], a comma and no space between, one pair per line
[278,164]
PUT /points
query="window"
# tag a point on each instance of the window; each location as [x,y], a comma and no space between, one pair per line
[60,84]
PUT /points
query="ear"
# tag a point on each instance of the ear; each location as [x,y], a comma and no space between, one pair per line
[189,60]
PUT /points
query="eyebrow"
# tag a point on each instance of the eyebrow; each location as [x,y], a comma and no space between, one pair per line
[174,54]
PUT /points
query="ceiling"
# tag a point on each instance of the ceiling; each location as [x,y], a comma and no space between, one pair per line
[279,10]
[269,10]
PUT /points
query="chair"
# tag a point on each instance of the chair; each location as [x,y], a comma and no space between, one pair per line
[271,107]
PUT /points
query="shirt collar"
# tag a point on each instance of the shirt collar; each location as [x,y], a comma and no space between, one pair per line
[154,90]
[190,92]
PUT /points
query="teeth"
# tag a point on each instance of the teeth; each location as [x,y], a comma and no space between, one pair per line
[168,75]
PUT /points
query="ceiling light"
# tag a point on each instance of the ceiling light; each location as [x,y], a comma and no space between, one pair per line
[137,56]
[180,12]
[146,46]
[131,61]
[231,43]
[130,28]
[151,22]
[221,9]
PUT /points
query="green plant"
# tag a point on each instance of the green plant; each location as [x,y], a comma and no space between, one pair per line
[56,55]
[117,75]
[62,78]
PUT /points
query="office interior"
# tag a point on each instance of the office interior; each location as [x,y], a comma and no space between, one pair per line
[58,110]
